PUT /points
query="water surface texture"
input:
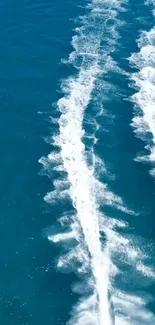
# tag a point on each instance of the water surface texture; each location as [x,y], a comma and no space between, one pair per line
[77,139]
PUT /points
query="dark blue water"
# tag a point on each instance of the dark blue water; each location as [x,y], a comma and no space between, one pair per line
[34,38]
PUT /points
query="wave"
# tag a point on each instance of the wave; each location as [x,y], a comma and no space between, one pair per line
[144,99]
[94,247]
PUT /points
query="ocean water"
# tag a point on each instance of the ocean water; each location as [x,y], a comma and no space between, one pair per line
[77,135]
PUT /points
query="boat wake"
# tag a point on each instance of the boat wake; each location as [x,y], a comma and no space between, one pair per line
[94,245]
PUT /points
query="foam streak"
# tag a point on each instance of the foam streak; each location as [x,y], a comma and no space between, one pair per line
[81,190]
[144,99]
[78,92]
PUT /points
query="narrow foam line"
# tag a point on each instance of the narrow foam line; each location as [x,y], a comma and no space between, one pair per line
[144,80]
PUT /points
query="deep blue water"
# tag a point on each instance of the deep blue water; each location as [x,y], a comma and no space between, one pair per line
[34,38]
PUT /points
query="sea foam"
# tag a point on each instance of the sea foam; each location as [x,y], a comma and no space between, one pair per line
[144,98]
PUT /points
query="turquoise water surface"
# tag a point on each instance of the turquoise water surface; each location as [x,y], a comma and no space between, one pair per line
[77,136]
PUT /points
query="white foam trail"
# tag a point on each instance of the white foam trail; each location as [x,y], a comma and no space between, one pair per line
[80,178]
[78,90]
[144,99]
